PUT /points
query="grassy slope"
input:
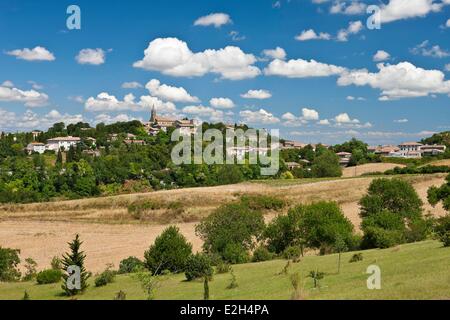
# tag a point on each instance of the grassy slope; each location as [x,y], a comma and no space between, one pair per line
[413,271]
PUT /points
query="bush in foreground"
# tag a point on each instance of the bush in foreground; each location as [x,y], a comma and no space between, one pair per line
[262,254]
[104,278]
[198,266]
[169,252]
[130,265]
[49,276]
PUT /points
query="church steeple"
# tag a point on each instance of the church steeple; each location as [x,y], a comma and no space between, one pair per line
[153,117]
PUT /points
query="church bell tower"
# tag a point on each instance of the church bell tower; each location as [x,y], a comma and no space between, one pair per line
[153,116]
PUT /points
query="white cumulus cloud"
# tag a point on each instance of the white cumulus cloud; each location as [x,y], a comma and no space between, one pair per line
[277,53]
[310,34]
[257,94]
[30,98]
[301,69]
[354,27]
[258,117]
[91,56]
[36,54]
[214,19]
[381,55]
[403,80]
[173,57]
[169,93]
[222,103]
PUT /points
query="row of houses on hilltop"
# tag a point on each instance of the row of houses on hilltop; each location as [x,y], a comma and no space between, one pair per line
[409,150]
[54,144]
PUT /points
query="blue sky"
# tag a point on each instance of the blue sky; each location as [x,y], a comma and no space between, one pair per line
[324,82]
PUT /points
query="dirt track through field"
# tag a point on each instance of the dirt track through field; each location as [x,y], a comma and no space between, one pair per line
[42,231]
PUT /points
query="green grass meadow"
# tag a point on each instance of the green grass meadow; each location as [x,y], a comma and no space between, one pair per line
[412,271]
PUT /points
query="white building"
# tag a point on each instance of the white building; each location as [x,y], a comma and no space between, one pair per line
[36,147]
[57,143]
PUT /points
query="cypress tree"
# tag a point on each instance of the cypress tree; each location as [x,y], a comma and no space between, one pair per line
[59,158]
[74,258]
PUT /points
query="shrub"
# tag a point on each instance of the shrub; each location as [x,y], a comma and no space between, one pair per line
[170,251]
[287,175]
[232,228]
[26,296]
[262,254]
[316,276]
[292,252]
[418,230]
[139,207]
[262,202]
[233,283]
[49,276]
[9,260]
[130,265]
[121,295]
[376,237]
[56,263]
[223,267]
[30,266]
[443,230]
[105,278]
[438,194]
[235,253]
[198,266]
[356,258]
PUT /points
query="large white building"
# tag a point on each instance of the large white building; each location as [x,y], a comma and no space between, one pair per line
[57,143]
[36,147]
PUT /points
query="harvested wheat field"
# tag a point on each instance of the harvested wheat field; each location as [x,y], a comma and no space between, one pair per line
[110,233]
[369,168]
[445,162]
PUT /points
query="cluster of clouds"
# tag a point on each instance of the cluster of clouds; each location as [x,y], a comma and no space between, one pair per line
[30,119]
[353,28]
[391,11]
[30,98]
[172,57]
[84,56]
[310,116]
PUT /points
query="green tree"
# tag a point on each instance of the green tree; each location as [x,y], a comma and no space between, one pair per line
[169,252]
[9,260]
[440,194]
[326,165]
[391,214]
[231,225]
[284,231]
[394,195]
[322,223]
[74,258]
